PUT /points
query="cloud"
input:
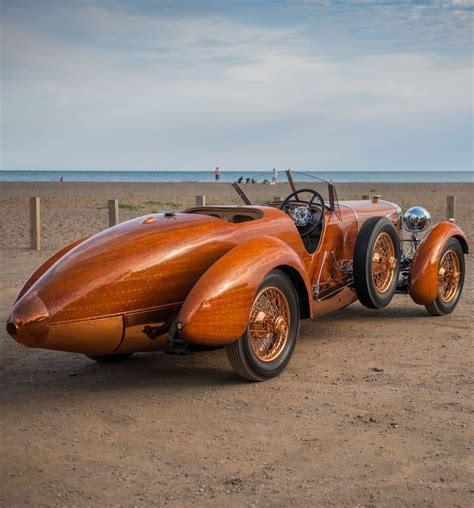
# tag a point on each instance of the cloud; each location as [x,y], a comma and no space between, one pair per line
[133,74]
[425,24]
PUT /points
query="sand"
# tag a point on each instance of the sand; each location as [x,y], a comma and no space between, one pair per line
[375,408]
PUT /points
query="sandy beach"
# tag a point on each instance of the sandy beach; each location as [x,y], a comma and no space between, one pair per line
[375,408]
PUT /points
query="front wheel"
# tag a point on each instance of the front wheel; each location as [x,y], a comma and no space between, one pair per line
[376,262]
[270,338]
[450,279]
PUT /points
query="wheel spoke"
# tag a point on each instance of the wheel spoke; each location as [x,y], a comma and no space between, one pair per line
[269,324]
[448,276]
[383,262]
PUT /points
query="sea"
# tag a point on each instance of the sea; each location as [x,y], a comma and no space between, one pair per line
[232,176]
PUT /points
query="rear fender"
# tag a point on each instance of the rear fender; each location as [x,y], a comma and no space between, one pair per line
[217,309]
[423,285]
[47,265]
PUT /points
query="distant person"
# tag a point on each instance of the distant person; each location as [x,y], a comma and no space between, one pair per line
[240,180]
[61,180]
[217,174]
[274,176]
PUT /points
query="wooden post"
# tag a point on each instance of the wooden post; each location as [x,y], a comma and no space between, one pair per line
[113,212]
[365,196]
[200,200]
[35,224]
[450,207]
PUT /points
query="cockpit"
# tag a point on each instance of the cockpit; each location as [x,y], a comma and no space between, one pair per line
[305,206]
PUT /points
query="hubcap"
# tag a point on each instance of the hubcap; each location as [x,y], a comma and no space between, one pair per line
[269,324]
[383,262]
[449,273]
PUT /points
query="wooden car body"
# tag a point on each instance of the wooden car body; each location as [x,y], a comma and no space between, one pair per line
[127,288]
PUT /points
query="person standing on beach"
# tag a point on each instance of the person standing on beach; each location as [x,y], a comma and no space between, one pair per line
[217,174]
[274,176]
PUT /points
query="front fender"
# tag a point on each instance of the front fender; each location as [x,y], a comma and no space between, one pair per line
[46,265]
[217,309]
[423,285]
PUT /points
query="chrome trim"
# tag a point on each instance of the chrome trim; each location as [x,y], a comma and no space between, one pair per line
[337,290]
[345,265]
[416,219]
[397,208]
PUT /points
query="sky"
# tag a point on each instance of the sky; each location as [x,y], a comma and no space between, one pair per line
[246,85]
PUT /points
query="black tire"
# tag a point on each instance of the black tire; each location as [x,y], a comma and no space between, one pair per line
[439,307]
[240,353]
[367,292]
[119,357]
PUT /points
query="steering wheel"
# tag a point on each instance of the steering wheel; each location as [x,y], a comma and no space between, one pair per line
[306,219]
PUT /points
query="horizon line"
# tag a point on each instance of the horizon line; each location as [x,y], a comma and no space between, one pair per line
[237,170]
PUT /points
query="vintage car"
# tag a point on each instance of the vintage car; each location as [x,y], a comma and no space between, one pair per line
[236,276]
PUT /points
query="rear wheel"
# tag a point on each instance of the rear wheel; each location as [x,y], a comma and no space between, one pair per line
[450,279]
[120,357]
[376,262]
[270,338]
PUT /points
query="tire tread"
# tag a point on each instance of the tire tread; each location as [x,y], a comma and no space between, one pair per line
[360,271]
[236,360]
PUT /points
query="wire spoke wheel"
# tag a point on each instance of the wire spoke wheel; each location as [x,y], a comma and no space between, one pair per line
[269,324]
[376,263]
[383,262]
[448,275]
[269,339]
[450,279]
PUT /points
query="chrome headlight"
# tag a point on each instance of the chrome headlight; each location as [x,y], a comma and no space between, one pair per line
[416,219]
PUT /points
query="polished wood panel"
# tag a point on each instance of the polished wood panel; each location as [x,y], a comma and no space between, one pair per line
[423,282]
[341,299]
[94,336]
[134,266]
[217,308]
[46,265]
[366,209]
[135,338]
[29,320]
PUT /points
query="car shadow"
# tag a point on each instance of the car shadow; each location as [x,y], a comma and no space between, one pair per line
[360,313]
[51,375]
[42,373]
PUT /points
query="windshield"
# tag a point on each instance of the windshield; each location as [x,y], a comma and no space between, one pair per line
[273,186]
